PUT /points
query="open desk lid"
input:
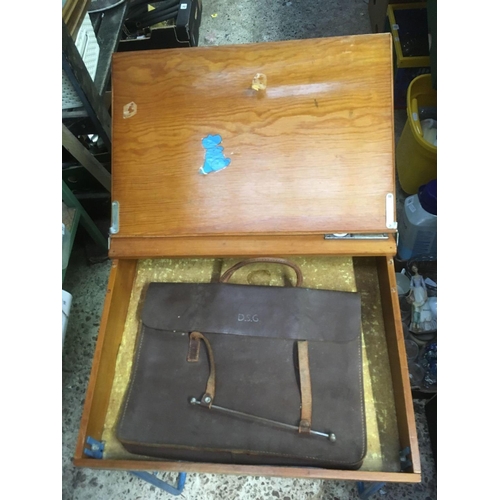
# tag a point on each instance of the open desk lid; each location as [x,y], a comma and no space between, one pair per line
[311,153]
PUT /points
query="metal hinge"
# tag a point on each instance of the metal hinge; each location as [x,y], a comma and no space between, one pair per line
[353,236]
[152,478]
[389,212]
[115,217]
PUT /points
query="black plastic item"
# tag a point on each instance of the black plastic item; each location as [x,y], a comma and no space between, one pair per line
[413,31]
[184,33]
[432,22]
[153,17]
[81,182]
[142,14]
[103,5]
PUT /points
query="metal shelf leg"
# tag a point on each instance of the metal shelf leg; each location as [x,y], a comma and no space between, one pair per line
[152,479]
[365,491]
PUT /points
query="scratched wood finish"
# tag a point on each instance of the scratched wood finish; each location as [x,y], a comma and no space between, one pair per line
[313,153]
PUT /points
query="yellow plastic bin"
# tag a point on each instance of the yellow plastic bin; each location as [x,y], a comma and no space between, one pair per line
[416,158]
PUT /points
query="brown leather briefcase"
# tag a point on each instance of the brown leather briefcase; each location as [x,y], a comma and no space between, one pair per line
[247,374]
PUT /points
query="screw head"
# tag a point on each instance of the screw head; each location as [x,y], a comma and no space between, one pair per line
[207,399]
[332,437]
[192,401]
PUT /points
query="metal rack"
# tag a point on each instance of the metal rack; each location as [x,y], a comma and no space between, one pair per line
[92,118]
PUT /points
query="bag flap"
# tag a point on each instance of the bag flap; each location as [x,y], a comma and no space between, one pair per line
[258,311]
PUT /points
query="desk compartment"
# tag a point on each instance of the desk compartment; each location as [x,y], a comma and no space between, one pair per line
[389,410]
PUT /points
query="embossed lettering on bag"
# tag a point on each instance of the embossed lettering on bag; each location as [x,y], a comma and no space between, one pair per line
[247,374]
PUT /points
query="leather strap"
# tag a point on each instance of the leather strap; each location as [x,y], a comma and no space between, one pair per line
[194,350]
[305,387]
[272,260]
[194,338]
[304,372]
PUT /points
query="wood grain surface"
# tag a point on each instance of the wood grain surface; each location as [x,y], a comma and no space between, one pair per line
[247,246]
[121,280]
[313,153]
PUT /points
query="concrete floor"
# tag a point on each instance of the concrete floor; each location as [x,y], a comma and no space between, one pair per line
[237,21]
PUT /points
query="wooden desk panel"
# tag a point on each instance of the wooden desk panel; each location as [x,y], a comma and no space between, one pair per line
[313,153]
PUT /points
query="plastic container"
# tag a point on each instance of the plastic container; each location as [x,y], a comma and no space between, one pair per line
[416,158]
[418,229]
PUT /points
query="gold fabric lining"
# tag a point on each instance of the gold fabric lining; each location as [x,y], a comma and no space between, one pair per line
[328,273]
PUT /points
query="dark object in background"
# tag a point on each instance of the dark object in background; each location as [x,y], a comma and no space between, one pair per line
[377,10]
[408,25]
[431,414]
[139,15]
[413,31]
[432,23]
[429,363]
[141,30]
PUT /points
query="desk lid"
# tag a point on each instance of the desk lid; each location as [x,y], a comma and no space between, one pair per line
[311,153]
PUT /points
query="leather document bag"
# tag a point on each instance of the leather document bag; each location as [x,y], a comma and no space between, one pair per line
[248,375]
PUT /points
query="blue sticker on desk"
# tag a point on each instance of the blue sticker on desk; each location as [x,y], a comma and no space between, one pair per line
[214,156]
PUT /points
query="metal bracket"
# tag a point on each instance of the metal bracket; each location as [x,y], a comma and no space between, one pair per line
[389,212]
[115,217]
[155,481]
[353,236]
[96,448]
[404,455]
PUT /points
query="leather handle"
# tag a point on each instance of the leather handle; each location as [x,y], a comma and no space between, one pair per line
[271,260]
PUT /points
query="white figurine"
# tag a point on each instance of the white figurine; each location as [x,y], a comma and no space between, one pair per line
[422,319]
